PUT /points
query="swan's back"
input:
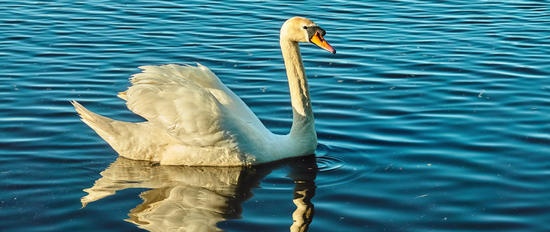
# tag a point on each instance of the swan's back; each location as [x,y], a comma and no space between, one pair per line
[164,93]
[192,119]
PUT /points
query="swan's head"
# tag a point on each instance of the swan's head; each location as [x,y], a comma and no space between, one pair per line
[299,29]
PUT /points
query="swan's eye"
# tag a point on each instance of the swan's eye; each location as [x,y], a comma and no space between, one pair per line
[311,30]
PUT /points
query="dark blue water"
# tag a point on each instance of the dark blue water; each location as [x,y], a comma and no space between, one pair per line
[432,116]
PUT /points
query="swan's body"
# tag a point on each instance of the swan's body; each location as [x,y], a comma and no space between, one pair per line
[194,119]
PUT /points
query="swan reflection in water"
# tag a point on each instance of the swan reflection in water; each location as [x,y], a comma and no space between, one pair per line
[182,198]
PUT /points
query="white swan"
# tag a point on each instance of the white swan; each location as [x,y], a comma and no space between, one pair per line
[194,119]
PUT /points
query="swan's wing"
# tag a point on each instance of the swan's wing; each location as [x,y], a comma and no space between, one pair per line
[190,102]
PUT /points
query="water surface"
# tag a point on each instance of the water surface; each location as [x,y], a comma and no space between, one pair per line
[432,116]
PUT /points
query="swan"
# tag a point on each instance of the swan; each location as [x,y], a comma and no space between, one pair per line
[193,119]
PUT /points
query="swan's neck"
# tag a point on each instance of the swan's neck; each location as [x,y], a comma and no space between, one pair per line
[302,116]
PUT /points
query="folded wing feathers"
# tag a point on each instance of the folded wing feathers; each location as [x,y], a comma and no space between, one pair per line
[180,98]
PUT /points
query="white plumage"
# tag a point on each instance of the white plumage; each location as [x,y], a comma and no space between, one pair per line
[194,119]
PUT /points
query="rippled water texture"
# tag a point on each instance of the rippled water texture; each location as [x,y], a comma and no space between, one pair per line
[432,116]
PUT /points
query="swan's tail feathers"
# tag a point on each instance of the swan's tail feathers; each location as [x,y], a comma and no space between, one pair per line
[106,128]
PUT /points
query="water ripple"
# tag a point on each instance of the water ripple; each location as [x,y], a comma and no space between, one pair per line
[329,164]
[336,171]
[432,116]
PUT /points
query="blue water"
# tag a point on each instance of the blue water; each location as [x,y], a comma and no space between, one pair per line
[432,116]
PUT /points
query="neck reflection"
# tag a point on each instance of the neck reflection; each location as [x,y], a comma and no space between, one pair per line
[182,198]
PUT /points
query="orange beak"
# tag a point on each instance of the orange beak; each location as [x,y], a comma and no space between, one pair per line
[318,40]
